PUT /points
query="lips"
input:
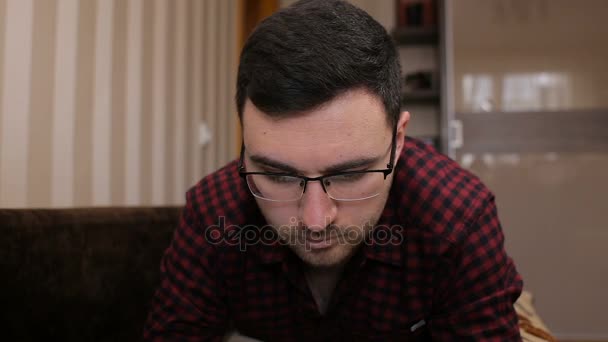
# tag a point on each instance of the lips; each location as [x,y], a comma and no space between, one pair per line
[319,243]
[316,240]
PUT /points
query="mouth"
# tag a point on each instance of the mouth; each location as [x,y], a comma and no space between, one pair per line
[318,244]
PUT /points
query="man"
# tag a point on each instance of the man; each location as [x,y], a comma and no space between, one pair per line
[333,224]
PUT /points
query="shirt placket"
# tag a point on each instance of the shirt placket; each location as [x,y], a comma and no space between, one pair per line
[306,317]
[319,327]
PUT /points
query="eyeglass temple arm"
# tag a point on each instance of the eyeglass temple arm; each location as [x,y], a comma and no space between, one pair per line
[390,164]
[241,165]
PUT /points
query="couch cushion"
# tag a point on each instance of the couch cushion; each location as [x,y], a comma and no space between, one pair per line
[80,274]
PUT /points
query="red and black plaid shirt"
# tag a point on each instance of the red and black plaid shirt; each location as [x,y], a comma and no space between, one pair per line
[449,279]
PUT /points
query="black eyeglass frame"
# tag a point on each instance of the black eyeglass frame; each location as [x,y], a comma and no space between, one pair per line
[389,168]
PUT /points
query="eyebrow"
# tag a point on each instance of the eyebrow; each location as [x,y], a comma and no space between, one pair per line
[340,167]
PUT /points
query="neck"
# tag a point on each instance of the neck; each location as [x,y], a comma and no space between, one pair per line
[325,269]
[322,281]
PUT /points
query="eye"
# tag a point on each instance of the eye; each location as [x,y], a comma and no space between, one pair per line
[344,178]
[280,179]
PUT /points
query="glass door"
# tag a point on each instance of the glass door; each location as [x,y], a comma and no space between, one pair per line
[529,90]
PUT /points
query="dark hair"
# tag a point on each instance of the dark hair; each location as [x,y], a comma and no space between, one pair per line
[307,54]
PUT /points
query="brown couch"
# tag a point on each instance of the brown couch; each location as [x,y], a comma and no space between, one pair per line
[89,274]
[80,274]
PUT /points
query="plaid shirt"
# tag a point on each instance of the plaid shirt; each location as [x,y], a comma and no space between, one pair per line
[447,279]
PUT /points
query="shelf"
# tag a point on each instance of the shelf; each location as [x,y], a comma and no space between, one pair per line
[420,97]
[563,131]
[415,36]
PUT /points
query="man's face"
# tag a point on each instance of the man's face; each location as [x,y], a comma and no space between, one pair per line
[323,232]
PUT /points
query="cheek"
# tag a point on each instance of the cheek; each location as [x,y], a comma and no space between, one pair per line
[279,214]
[352,213]
[360,213]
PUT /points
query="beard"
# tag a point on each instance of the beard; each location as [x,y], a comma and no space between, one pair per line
[344,242]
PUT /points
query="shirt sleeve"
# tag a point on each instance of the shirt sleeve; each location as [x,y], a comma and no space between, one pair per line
[189,304]
[480,284]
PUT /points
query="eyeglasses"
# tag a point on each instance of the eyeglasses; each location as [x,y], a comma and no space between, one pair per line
[340,186]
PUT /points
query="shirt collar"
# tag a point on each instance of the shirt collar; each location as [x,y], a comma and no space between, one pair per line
[271,253]
[385,243]
[385,252]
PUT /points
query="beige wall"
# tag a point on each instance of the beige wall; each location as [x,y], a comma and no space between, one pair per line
[101,101]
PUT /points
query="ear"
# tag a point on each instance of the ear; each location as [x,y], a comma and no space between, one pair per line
[404,119]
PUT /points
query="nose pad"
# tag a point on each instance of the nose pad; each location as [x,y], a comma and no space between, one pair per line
[317,188]
[320,183]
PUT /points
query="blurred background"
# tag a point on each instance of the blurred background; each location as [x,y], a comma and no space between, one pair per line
[130,102]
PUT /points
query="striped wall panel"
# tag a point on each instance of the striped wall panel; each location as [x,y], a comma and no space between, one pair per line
[101,101]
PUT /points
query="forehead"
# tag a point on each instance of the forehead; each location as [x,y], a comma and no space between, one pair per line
[352,125]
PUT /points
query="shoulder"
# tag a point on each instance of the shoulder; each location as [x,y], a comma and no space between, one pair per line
[221,194]
[435,194]
[221,208]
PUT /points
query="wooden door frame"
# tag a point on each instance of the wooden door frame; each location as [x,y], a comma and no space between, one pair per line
[250,13]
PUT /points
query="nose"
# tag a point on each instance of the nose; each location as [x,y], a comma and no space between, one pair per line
[316,210]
